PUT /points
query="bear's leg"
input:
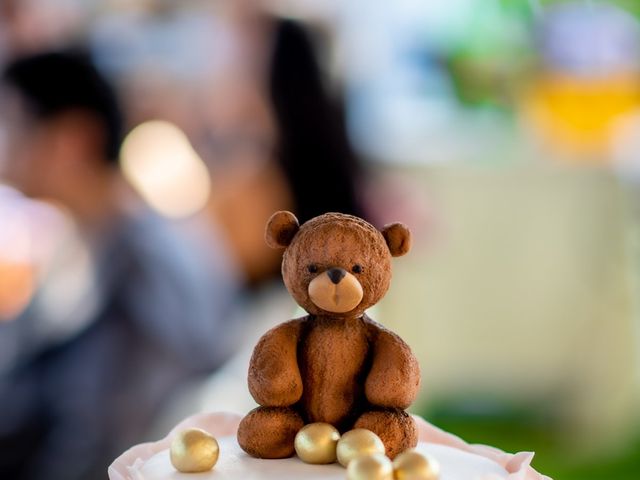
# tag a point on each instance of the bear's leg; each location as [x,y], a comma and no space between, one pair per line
[394,426]
[269,432]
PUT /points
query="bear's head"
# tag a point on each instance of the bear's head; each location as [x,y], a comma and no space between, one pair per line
[336,264]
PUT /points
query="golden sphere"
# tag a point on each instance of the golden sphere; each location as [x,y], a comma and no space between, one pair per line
[370,467]
[412,465]
[316,443]
[194,450]
[359,441]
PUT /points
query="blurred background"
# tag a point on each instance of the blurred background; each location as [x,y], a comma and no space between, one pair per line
[143,146]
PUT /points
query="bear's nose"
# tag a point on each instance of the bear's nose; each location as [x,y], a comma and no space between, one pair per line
[336,274]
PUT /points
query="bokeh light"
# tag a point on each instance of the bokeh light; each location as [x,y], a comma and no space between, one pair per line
[159,161]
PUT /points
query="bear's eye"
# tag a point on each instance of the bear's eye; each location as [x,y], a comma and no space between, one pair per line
[356,268]
[312,268]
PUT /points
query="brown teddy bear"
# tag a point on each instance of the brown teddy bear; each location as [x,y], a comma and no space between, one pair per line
[335,365]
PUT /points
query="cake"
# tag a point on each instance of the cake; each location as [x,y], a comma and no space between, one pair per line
[236,464]
[458,460]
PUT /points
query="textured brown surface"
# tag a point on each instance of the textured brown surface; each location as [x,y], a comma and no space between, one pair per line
[398,238]
[333,360]
[281,228]
[395,427]
[394,376]
[332,367]
[269,432]
[337,240]
[274,376]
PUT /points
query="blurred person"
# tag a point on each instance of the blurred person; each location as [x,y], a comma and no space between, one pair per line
[313,146]
[249,90]
[275,120]
[162,308]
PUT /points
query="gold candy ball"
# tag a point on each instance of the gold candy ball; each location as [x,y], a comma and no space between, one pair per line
[194,450]
[412,465]
[359,441]
[316,443]
[370,467]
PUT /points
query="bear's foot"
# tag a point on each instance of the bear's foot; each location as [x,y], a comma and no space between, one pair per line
[395,427]
[269,432]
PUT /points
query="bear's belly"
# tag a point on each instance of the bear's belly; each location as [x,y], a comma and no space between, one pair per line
[333,362]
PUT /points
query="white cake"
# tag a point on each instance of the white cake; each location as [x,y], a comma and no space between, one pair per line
[234,464]
[458,460]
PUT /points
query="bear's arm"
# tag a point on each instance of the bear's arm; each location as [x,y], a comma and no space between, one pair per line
[394,378]
[274,376]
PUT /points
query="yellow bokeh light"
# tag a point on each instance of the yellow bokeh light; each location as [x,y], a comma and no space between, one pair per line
[159,161]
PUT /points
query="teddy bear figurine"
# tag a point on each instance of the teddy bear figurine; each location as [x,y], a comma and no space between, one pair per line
[334,365]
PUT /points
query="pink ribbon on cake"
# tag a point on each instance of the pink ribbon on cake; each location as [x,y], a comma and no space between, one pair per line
[224,424]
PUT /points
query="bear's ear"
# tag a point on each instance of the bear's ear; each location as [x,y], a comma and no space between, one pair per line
[281,228]
[398,238]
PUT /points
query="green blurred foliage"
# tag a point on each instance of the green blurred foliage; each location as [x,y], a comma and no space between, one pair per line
[491,62]
[515,428]
[632,6]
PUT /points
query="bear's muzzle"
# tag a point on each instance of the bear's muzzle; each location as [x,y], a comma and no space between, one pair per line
[335,290]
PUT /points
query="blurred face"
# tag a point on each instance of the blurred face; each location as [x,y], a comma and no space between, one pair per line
[27,147]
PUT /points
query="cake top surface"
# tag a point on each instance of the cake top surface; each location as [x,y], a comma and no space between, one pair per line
[143,461]
[235,464]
